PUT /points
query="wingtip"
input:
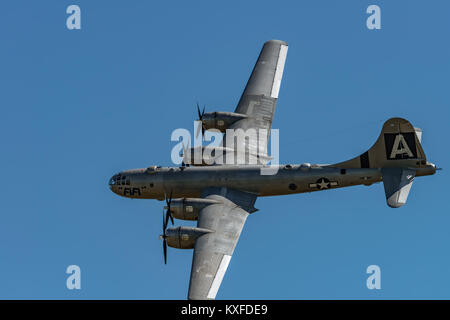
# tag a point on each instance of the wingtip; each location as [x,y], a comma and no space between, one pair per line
[279,42]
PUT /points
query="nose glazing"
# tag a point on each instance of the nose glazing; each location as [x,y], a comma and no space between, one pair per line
[119,180]
[114,180]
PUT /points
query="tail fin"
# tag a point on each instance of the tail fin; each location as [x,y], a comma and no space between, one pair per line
[399,155]
[397,146]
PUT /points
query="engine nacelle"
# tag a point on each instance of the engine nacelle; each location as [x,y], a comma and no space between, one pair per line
[220,120]
[188,208]
[184,237]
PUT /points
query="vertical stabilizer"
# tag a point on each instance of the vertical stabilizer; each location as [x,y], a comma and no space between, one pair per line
[399,155]
[398,145]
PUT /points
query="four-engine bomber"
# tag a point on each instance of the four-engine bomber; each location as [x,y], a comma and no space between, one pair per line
[220,195]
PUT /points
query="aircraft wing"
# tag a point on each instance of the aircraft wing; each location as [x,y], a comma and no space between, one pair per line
[213,251]
[260,96]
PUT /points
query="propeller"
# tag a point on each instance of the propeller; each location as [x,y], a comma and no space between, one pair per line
[200,118]
[168,212]
[166,216]
[185,153]
[164,237]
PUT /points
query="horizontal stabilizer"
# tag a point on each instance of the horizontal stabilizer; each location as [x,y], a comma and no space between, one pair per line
[397,183]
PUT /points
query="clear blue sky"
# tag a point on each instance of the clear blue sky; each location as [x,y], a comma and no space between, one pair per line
[79,106]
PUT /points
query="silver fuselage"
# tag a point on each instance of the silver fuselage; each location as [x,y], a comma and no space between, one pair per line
[288,179]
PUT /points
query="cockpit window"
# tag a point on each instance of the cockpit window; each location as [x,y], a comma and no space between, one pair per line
[115,180]
[112,182]
[119,180]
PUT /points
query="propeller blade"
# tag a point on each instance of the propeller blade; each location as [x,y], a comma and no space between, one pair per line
[168,205]
[200,118]
[163,237]
[168,212]
[164,225]
[185,149]
[199,127]
[167,220]
[165,250]
[199,113]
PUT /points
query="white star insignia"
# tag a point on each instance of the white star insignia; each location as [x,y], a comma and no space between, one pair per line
[323,184]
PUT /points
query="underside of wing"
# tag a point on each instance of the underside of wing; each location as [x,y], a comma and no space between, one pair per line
[265,79]
[258,102]
[213,251]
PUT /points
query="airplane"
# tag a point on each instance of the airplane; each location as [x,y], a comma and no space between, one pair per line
[220,195]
